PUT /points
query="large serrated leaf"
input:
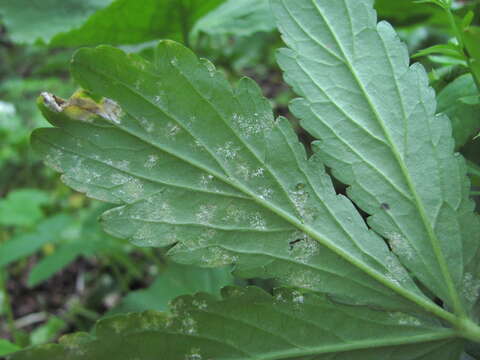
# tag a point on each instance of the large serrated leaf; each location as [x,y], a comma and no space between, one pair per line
[375,116]
[204,166]
[251,324]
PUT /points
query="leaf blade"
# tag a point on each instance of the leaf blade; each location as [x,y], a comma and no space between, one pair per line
[287,326]
[373,94]
[209,135]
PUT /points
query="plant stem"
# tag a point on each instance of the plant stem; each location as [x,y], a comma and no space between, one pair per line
[461,43]
[8,307]
[469,330]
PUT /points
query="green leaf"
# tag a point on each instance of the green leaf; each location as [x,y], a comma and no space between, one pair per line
[251,324]
[49,230]
[28,21]
[6,347]
[471,37]
[237,17]
[72,23]
[175,281]
[203,166]
[47,331]
[465,117]
[22,207]
[375,117]
[51,264]
[131,22]
[448,50]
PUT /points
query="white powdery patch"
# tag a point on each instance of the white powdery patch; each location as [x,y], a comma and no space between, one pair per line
[210,68]
[144,236]
[206,213]
[119,179]
[146,124]
[234,215]
[54,159]
[252,124]
[257,221]
[132,190]
[258,172]
[400,245]
[151,161]
[297,297]
[162,211]
[111,111]
[122,164]
[193,354]
[305,279]
[217,256]
[189,324]
[228,151]
[243,171]
[405,319]
[206,180]
[299,197]
[200,304]
[265,192]
[470,287]
[396,272]
[172,129]
[302,247]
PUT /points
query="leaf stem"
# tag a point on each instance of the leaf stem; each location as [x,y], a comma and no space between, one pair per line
[7,307]
[357,345]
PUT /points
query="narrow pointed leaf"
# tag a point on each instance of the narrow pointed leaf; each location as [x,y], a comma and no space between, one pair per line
[251,324]
[205,167]
[375,117]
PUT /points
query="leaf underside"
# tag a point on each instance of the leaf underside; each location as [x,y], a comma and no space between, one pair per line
[203,168]
[375,116]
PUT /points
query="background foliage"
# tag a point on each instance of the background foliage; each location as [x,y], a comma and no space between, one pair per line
[50,240]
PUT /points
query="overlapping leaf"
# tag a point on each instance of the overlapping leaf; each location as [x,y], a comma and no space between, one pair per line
[465,117]
[207,168]
[375,116]
[250,324]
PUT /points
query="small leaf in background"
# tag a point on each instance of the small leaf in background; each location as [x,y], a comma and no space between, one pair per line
[29,21]
[63,255]
[457,100]
[176,280]
[6,347]
[23,207]
[448,50]
[49,230]
[471,37]
[74,23]
[48,331]
[237,17]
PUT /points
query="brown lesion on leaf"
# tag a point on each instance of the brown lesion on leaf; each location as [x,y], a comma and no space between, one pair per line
[83,107]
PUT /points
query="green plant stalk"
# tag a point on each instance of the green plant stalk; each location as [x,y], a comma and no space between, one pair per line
[8,307]
[184,24]
[461,43]
[118,274]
